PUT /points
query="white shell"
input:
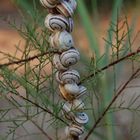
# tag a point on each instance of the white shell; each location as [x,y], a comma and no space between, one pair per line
[82,91]
[75,105]
[74,130]
[67,7]
[49,3]
[61,40]
[65,95]
[57,63]
[81,118]
[58,22]
[69,108]
[72,89]
[57,76]
[70,76]
[69,57]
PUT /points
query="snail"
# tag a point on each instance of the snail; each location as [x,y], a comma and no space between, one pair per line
[74,130]
[82,91]
[57,63]
[68,77]
[66,59]
[67,7]
[72,89]
[69,108]
[49,3]
[58,22]
[69,57]
[81,118]
[65,95]
[62,40]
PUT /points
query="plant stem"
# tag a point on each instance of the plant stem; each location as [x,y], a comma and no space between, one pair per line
[111,103]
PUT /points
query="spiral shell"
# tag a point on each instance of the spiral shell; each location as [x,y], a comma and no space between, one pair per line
[81,118]
[69,57]
[76,105]
[62,40]
[67,7]
[82,91]
[58,22]
[74,130]
[65,95]
[68,77]
[70,107]
[72,89]
[49,3]
[57,63]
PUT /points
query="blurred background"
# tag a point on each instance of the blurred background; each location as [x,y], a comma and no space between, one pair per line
[11,9]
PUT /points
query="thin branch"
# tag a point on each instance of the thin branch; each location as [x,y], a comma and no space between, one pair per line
[110,65]
[41,130]
[44,109]
[111,103]
[28,59]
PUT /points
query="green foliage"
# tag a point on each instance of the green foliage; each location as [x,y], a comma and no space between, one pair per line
[30,92]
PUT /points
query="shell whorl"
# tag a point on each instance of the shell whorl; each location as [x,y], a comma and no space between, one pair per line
[58,23]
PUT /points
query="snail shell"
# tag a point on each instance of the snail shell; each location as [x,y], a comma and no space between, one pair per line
[57,22]
[68,77]
[49,3]
[67,7]
[74,130]
[72,89]
[69,57]
[57,63]
[66,59]
[81,118]
[82,91]
[62,40]
[75,105]
[70,107]
[65,95]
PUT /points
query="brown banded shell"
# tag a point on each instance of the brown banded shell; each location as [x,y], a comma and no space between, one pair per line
[49,3]
[65,95]
[67,7]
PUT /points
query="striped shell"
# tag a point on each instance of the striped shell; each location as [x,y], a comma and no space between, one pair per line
[49,3]
[81,118]
[68,77]
[58,22]
[67,7]
[74,130]
[69,57]
[57,63]
[62,40]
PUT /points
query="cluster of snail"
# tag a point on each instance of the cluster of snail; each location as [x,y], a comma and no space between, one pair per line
[59,21]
